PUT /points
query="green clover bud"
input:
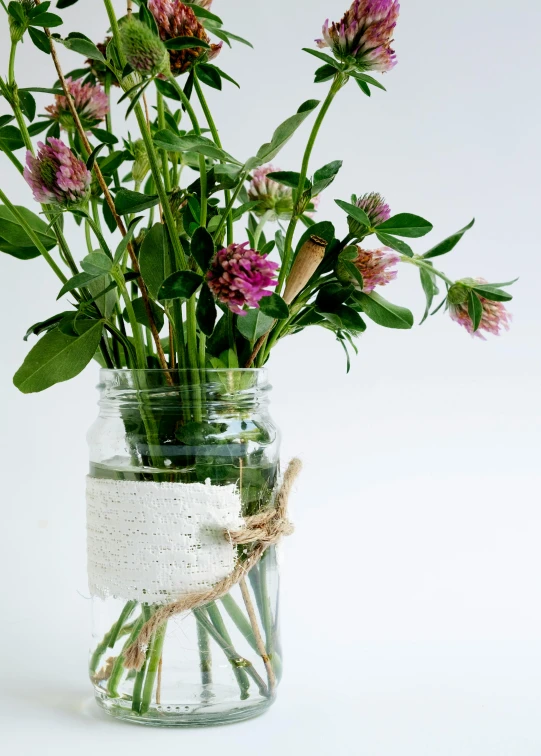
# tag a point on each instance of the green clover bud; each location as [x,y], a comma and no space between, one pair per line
[144,50]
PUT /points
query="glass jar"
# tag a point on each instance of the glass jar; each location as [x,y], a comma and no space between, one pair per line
[161,435]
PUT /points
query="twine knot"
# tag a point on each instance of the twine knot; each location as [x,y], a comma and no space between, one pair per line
[262,530]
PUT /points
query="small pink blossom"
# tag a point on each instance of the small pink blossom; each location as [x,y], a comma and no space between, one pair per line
[375,266]
[56,176]
[91,103]
[240,277]
[364,35]
[495,316]
[273,198]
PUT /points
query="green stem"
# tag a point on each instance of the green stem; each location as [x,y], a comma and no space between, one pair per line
[202,164]
[163,153]
[124,616]
[204,655]
[218,143]
[237,615]
[139,345]
[260,226]
[118,667]
[229,207]
[419,263]
[336,86]
[33,236]
[11,67]
[155,654]
[140,677]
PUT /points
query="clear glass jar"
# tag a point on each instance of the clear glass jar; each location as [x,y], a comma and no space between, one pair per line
[207,666]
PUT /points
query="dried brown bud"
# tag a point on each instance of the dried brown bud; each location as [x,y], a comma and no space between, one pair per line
[306,263]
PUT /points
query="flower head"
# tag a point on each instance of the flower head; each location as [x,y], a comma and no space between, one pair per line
[175,19]
[90,101]
[376,267]
[239,277]
[56,176]
[494,318]
[144,51]
[364,35]
[273,198]
[375,207]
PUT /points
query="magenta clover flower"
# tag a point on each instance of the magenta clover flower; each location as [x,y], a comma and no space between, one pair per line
[273,198]
[376,267]
[90,101]
[494,319]
[240,277]
[364,35]
[56,176]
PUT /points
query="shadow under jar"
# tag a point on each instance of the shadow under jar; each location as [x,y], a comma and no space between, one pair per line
[176,460]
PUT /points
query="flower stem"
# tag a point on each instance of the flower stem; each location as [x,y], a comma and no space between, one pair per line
[204,655]
[420,263]
[336,86]
[155,654]
[218,143]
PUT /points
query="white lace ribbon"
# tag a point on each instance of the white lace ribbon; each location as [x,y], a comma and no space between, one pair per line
[151,542]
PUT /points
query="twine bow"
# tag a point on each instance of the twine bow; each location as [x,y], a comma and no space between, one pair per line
[262,530]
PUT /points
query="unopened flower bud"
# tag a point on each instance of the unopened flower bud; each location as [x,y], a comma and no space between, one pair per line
[458,294]
[144,50]
[19,18]
[141,165]
[306,263]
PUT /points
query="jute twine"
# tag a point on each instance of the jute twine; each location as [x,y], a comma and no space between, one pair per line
[262,531]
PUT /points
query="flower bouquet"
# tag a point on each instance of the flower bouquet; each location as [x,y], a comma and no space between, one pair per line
[197,264]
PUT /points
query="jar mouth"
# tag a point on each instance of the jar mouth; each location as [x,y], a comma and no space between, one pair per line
[242,386]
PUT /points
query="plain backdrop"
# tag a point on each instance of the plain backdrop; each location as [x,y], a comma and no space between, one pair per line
[411,612]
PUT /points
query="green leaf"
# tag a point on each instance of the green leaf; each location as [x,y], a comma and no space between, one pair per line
[494,293]
[227,36]
[405,224]
[363,86]
[141,316]
[325,73]
[351,320]
[82,45]
[354,212]
[288,178]
[224,75]
[324,177]
[397,244]
[282,135]
[14,239]
[275,307]
[384,313]
[38,127]
[127,202]
[78,281]
[209,75]
[201,12]
[5,119]
[254,324]
[37,9]
[186,43]
[331,296]
[367,79]
[448,244]
[103,291]
[94,154]
[354,273]
[16,11]
[57,358]
[97,263]
[154,259]
[322,56]
[202,248]
[45,325]
[48,20]
[206,312]
[167,89]
[111,163]
[323,229]
[430,289]
[40,39]
[10,139]
[475,310]
[65,3]
[105,136]
[123,246]
[166,140]
[28,104]
[180,285]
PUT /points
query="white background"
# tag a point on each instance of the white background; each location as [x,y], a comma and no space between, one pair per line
[412,618]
